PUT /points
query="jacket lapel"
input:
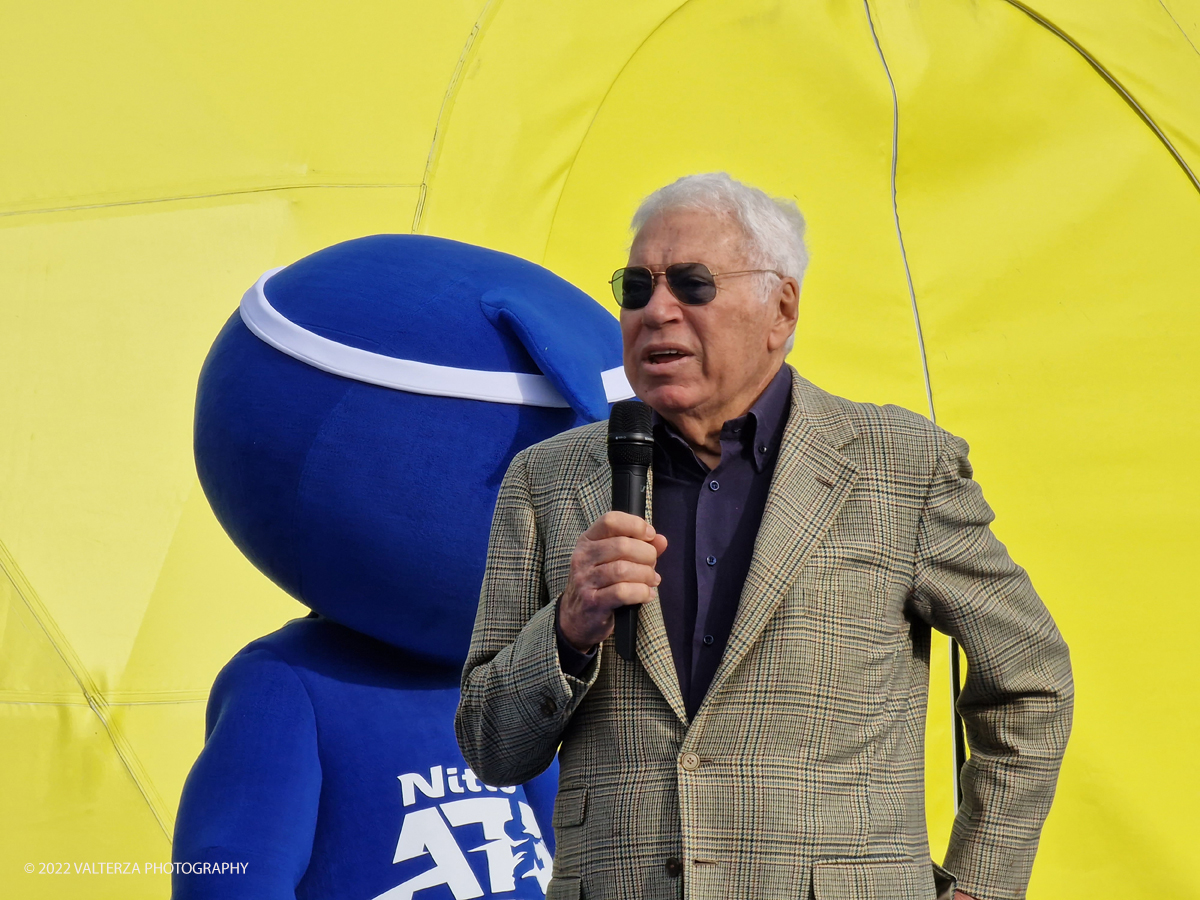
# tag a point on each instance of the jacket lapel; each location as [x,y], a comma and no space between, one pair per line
[653,647]
[811,482]
[595,493]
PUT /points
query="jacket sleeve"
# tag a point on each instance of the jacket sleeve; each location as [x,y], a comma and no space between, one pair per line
[251,798]
[1017,699]
[516,700]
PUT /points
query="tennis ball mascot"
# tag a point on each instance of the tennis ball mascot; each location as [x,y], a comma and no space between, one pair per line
[353,422]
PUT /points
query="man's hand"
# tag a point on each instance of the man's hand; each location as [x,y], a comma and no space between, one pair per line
[612,566]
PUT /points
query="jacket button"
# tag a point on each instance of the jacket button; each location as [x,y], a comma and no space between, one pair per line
[674,867]
[689,761]
[549,707]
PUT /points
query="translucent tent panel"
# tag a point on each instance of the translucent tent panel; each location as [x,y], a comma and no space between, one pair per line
[156,161]
[159,159]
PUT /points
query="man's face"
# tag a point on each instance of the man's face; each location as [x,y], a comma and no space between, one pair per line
[705,359]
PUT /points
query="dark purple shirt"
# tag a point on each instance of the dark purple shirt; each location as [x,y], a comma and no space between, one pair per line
[710,519]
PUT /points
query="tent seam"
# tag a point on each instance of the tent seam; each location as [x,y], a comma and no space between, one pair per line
[110,703]
[91,693]
[1113,82]
[596,114]
[1167,10]
[956,720]
[208,196]
[447,107]
[912,294]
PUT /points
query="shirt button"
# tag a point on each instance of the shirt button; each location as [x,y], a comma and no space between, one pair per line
[689,761]
[714,485]
[762,448]
[712,560]
[674,867]
[708,640]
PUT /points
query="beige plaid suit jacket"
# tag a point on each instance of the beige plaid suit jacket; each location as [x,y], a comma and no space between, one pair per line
[802,775]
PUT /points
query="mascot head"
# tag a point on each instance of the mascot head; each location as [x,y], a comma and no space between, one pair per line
[355,417]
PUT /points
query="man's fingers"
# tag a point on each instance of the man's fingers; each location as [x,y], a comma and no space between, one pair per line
[623,570]
[612,566]
[620,524]
[598,553]
[624,593]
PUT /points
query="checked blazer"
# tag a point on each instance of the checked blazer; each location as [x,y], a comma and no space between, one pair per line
[802,774]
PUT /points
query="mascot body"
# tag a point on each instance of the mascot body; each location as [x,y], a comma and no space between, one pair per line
[353,424]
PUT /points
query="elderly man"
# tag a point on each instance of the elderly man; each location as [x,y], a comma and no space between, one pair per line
[767,739]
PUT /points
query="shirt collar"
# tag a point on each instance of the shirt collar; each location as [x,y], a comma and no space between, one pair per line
[758,429]
[769,412]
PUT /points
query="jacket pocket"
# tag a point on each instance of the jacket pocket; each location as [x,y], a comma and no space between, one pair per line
[570,810]
[872,879]
[570,807]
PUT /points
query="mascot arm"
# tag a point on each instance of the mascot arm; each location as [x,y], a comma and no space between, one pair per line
[249,806]
[516,700]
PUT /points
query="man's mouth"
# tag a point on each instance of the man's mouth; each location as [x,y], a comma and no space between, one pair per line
[662,357]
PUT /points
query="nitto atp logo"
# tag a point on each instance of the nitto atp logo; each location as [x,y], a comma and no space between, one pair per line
[516,859]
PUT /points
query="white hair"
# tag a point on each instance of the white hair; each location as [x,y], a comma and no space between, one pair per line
[773,226]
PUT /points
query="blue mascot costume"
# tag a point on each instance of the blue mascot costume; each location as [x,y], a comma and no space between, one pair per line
[353,422]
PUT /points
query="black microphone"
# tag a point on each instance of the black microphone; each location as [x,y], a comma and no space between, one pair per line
[630,452]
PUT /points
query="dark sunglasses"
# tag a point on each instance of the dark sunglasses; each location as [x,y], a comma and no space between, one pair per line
[690,283]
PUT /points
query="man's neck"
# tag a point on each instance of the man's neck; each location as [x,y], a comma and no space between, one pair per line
[702,428]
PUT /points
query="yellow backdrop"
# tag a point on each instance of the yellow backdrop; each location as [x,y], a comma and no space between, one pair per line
[1005,230]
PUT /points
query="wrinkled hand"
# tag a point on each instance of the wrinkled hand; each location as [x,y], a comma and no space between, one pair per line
[612,566]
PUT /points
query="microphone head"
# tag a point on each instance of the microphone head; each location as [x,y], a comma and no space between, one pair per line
[630,434]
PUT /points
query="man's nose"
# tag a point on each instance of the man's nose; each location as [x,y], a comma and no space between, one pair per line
[663,306]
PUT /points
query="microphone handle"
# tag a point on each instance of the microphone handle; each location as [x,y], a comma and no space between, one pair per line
[628,495]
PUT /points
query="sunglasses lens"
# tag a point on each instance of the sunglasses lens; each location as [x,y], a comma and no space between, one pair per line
[632,287]
[692,283]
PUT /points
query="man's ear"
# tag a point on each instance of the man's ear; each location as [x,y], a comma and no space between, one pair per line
[785,305]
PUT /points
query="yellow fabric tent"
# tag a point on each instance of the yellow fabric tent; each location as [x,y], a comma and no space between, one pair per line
[1005,224]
